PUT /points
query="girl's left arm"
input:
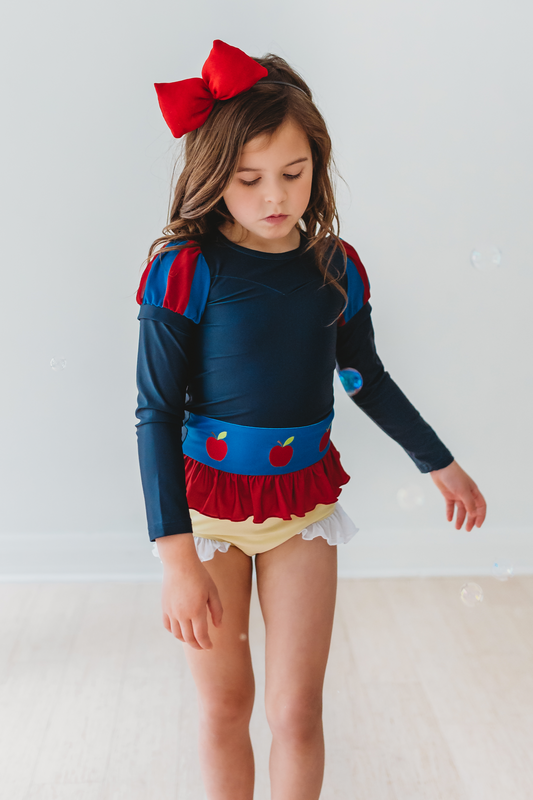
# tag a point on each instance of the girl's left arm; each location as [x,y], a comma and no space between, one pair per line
[385,403]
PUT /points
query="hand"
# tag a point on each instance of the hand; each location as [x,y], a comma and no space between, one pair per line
[460,491]
[188,591]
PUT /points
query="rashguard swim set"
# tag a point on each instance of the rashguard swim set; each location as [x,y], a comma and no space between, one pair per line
[237,353]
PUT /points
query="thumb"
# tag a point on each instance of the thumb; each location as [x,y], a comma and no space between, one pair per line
[215,606]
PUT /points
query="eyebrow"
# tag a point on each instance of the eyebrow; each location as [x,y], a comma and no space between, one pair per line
[254,169]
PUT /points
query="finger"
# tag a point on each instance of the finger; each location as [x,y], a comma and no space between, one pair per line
[480,518]
[176,629]
[166,622]
[200,631]
[481,507]
[188,635]
[215,608]
[472,512]
[470,522]
[450,506]
[477,508]
[461,514]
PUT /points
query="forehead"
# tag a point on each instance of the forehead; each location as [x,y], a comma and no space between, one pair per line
[287,136]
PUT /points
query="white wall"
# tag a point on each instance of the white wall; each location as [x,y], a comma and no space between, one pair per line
[429,108]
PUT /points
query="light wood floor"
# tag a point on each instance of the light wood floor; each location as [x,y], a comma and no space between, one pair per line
[425,698]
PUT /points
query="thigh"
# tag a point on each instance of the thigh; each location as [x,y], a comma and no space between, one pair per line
[297,586]
[225,673]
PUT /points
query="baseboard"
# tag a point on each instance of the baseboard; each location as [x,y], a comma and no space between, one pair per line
[391,553]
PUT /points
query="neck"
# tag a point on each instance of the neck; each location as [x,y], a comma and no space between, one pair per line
[237,234]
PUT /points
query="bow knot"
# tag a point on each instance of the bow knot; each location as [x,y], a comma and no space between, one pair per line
[228,71]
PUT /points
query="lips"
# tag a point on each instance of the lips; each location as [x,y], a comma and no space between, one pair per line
[277,216]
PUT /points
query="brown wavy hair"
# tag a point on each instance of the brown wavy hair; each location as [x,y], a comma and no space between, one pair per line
[210,156]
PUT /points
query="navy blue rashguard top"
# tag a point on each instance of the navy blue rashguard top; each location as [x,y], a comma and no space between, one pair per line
[253,338]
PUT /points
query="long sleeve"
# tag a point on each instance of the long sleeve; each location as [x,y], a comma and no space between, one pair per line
[172,296]
[162,369]
[381,398]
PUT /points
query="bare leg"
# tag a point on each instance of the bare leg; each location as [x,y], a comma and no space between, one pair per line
[225,683]
[297,586]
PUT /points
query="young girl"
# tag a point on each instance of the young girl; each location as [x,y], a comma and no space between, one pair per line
[246,309]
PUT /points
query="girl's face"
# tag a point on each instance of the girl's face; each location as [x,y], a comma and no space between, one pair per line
[271,179]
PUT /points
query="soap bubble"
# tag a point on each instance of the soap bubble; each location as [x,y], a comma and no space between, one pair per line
[352,380]
[410,497]
[471,594]
[502,570]
[486,257]
[58,363]
[243,637]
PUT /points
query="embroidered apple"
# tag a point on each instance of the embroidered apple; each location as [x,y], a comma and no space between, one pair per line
[325,439]
[280,456]
[216,447]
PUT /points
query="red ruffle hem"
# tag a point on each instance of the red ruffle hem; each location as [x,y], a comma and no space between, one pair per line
[224,495]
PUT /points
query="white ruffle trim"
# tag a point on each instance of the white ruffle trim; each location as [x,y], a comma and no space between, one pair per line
[206,548]
[337,528]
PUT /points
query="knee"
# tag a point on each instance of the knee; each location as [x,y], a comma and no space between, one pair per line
[227,709]
[296,718]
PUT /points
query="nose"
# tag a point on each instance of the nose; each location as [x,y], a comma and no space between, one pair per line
[275,191]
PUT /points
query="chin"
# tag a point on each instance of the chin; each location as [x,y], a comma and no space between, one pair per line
[278,233]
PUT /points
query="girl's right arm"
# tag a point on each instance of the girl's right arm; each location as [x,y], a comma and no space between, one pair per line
[172,296]
[162,371]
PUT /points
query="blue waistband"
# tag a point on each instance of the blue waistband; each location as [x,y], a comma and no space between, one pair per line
[244,450]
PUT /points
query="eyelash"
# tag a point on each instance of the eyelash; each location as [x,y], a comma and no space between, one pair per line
[252,183]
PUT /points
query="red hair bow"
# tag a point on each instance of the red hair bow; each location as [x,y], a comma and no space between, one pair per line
[227,72]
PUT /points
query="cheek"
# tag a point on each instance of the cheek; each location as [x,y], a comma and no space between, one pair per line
[305,189]
[237,199]
[229,200]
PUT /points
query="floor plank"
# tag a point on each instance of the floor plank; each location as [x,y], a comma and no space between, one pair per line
[424,698]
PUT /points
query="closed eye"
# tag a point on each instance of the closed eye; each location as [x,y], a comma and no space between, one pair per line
[252,183]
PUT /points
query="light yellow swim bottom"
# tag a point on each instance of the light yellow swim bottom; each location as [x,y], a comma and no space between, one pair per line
[331,522]
[253,538]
